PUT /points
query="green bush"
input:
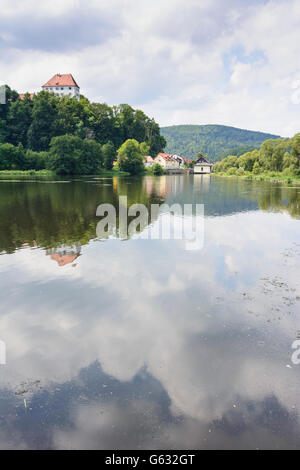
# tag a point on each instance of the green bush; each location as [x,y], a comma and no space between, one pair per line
[11,157]
[130,157]
[157,169]
[70,155]
[35,160]
[240,171]
[232,171]
[109,155]
[256,169]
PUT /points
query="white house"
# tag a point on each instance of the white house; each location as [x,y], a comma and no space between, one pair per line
[63,85]
[203,166]
[148,161]
[167,161]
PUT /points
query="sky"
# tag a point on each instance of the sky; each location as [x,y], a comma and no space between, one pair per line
[233,62]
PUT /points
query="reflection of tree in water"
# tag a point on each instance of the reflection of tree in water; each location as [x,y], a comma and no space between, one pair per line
[50,215]
[55,214]
[281,199]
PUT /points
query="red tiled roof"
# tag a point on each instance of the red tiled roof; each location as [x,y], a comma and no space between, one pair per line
[22,95]
[62,260]
[149,159]
[61,80]
[165,156]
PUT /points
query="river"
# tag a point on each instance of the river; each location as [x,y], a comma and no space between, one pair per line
[138,342]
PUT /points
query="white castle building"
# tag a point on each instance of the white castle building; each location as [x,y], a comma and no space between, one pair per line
[63,85]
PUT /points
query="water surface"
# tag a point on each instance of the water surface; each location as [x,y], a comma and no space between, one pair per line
[128,344]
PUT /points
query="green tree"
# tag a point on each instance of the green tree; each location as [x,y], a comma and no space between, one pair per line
[109,155]
[11,97]
[102,123]
[65,153]
[11,157]
[256,168]
[35,160]
[295,146]
[201,155]
[157,169]
[248,160]
[35,122]
[145,149]
[43,124]
[156,141]
[130,157]
[91,159]
[70,155]
[19,119]
[71,117]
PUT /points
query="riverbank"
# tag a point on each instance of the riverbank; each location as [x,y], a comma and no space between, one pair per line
[274,177]
[9,174]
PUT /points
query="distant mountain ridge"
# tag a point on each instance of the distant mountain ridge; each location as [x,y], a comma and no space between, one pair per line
[214,140]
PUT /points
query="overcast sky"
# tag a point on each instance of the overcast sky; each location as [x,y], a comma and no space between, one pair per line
[233,62]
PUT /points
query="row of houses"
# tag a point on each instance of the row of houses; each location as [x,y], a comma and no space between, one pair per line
[167,161]
[173,162]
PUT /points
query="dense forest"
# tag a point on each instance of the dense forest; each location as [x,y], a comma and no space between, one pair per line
[275,156]
[48,130]
[215,141]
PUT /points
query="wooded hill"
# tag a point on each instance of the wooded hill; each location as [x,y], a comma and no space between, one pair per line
[215,141]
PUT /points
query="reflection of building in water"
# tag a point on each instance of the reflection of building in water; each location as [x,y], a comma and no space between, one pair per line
[165,185]
[149,185]
[115,184]
[201,184]
[64,254]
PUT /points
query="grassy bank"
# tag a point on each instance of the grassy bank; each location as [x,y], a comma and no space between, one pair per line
[275,177]
[26,174]
[112,173]
[11,174]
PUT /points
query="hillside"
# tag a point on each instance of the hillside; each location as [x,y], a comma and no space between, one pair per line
[214,140]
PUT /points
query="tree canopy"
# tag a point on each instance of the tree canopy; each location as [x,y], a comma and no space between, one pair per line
[274,155]
[34,122]
[130,157]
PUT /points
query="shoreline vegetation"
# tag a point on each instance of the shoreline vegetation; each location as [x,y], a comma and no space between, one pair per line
[70,137]
[272,177]
[51,174]
[49,135]
[277,160]
[156,170]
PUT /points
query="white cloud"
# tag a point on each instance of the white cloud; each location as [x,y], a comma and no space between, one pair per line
[167,58]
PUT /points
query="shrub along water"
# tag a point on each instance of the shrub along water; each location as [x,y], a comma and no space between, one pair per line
[71,155]
[276,158]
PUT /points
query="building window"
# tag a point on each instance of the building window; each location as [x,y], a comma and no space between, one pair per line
[70,88]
